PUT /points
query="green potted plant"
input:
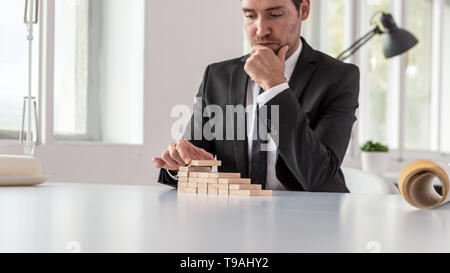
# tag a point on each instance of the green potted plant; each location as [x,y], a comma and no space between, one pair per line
[374,157]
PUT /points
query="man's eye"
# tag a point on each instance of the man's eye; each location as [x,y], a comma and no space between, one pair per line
[250,16]
[276,15]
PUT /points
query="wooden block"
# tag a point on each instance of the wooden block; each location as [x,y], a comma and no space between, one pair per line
[193,174]
[203,185]
[193,179]
[198,174]
[213,191]
[183,179]
[206,163]
[208,180]
[213,186]
[187,190]
[238,187]
[202,191]
[195,169]
[224,192]
[183,174]
[223,186]
[192,185]
[219,175]
[182,184]
[251,192]
[234,181]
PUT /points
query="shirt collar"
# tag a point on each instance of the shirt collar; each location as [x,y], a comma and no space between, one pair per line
[292,61]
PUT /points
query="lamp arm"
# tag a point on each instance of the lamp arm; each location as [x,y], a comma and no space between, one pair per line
[359,43]
[355,49]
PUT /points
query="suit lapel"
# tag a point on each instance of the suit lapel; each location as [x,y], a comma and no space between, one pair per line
[303,71]
[238,92]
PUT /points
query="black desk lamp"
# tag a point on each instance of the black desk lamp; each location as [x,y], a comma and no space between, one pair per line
[396,42]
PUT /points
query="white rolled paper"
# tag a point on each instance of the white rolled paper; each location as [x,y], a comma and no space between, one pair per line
[20,166]
[416,184]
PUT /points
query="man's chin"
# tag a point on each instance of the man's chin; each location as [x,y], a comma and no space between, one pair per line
[274,47]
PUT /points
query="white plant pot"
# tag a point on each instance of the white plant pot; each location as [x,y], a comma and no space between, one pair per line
[375,162]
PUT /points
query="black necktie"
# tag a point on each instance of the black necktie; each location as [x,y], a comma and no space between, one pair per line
[258,167]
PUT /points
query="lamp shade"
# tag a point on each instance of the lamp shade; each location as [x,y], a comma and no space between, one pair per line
[396,41]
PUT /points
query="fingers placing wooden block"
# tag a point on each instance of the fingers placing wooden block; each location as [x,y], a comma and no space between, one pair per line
[187,190]
[251,192]
[219,175]
[234,181]
[202,191]
[205,163]
[238,187]
[195,169]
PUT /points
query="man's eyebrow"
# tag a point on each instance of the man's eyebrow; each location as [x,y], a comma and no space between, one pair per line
[275,8]
[269,9]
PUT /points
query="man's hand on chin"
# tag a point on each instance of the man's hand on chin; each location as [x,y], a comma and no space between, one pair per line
[265,67]
[180,154]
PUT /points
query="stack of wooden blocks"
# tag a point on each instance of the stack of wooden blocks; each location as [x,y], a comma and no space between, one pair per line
[198,178]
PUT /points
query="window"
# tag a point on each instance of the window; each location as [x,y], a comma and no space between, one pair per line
[418,82]
[398,98]
[98,80]
[332,40]
[71,70]
[14,66]
[375,71]
[326,33]
[445,106]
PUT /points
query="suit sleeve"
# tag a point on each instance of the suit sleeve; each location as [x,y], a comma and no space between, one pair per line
[315,156]
[194,130]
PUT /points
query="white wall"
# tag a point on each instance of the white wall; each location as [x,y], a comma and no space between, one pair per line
[183,37]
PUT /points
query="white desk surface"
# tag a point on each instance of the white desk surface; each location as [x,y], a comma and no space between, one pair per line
[106,218]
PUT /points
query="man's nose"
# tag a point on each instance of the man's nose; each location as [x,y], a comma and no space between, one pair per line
[263,27]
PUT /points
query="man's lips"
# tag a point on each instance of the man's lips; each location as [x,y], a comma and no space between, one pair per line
[268,44]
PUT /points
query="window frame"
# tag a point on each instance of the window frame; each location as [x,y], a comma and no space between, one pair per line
[355,27]
[45,78]
[97,160]
[401,154]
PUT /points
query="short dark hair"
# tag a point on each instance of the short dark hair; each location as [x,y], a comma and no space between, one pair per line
[297,3]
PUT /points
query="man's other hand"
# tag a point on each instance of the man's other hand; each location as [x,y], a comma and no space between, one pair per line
[180,154]
[265,67]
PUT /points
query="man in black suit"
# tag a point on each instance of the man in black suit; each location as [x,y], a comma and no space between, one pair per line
[316,97]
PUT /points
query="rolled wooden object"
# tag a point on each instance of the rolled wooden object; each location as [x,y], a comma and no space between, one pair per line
[416,184]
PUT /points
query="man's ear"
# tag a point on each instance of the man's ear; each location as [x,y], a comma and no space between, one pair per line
[305,9]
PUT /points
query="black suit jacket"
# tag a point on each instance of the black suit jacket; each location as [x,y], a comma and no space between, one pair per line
[317,114]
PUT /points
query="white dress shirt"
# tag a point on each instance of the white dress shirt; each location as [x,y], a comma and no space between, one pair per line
[253,91]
